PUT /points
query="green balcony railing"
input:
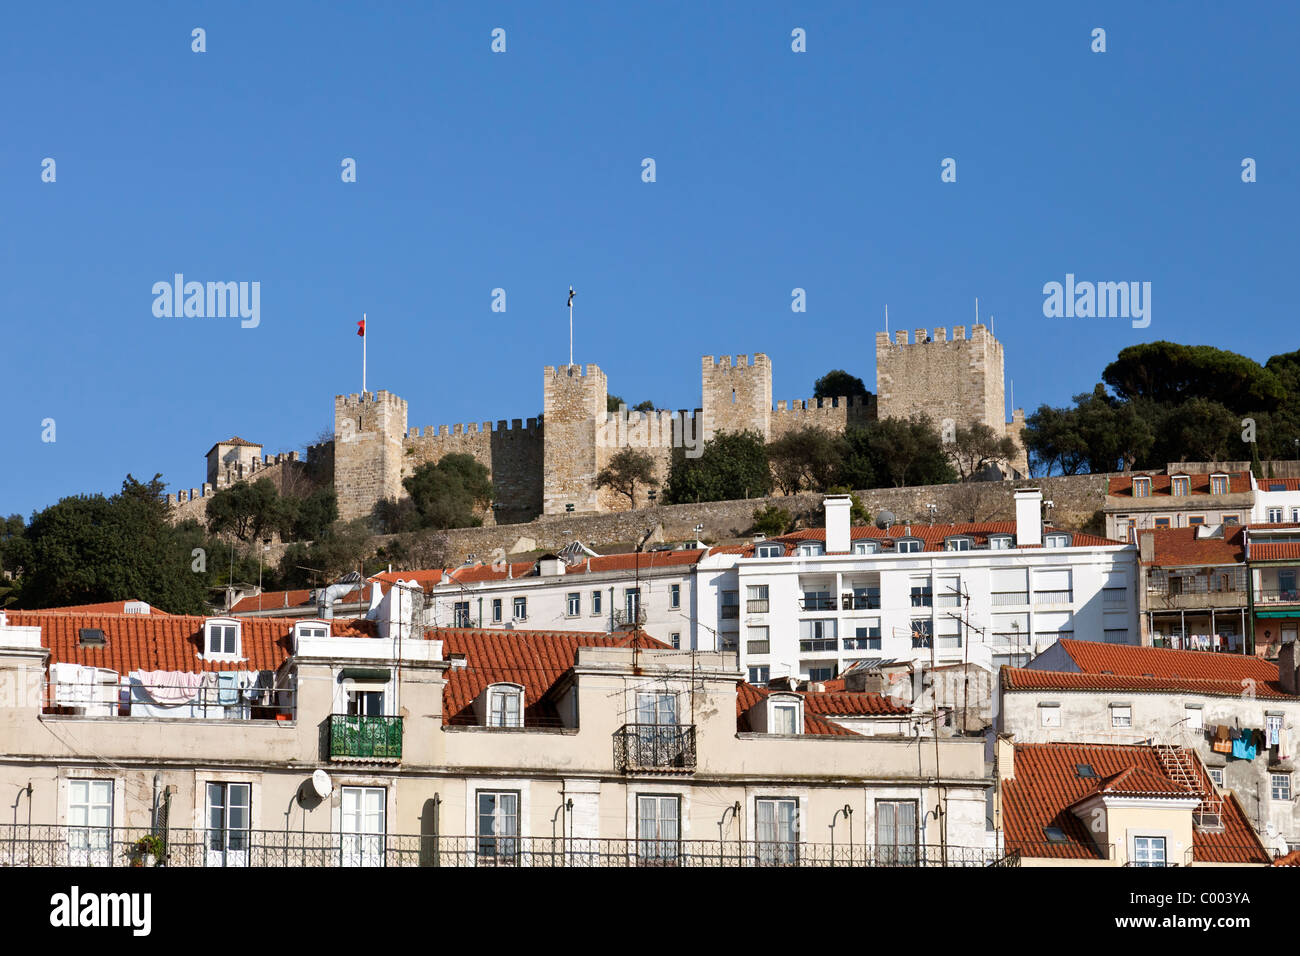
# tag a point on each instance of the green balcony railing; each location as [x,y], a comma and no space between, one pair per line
[352,735]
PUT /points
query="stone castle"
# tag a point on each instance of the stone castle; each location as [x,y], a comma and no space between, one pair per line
[548,466]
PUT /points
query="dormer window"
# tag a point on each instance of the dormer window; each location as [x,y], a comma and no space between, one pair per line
[1001,542]
[785,714]
[770,550]
[811,549]
[221,638]
[907,545]
[1056,541]
[311,629]
[958,543]
[1218,484]
[866,547]
[1179,486]
[505,705]
[1141,487]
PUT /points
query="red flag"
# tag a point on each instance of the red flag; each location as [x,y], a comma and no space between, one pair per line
[361,328]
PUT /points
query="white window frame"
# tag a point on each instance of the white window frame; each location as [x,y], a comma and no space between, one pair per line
[310,629]
[1279,787]
[90,821]
[784,705]
[209,631]
[362,842]
[658,834]
[959,543]
[501,846]
[1000,542]
[1216,776]
[573,604]
[866,547]
[776,830]
[674,596]
[769,551]
[505,705]
[908,546]
[1121,716]
[1144,848]
[1180,481]
[811,549]
[1056,540]
[519,608]
[1141,487]
[1195,717]
[498,611]
[1218,484]
[595,602]
[1275,515]
[763,676]
[226,843]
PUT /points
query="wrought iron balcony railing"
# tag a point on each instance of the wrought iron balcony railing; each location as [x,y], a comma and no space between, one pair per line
[635,617]
[730,611]
[366,738]
[1277,596]
[812,602]
[860,602]
[655,747]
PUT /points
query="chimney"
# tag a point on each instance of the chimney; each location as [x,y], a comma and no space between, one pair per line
[550,564]
[1147,547]
[1286,668]
[1029,516]
[837,523]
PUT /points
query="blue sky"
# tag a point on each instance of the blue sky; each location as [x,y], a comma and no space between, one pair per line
[522,171]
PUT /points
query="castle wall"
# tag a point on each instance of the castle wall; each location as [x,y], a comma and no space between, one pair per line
[737,396]
[833,415]
[512,452]
[368,450]
[573,401]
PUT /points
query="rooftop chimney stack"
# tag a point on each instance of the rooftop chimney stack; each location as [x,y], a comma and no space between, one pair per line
[1029,517]
[838,508]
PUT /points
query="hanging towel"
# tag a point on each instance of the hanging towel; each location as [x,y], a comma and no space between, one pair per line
[1260,740]
[228,688]
[259,687]
[168,688]
[1222,746]
[1243,750]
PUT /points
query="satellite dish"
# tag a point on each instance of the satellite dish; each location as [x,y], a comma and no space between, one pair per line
[885,519]
[320,782]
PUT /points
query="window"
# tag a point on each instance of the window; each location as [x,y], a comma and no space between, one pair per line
[674,595]
[1121,715]
[784,718]
[866,547]
[950,593]
[896,832]
[90,822]
[922,633]
[865,638]
[658,830]
[822,671]
[1218,484]
[771,550]
[223,639]
[1273,729]
[573,604]
[1295,515]
[496,610]
[1115,635]
[1194,717]
[1275,515]
[1216,776]
[907,545]
[228,824]
[676,641]
[1114,596]
[1194,520]
[521,609]
[505,706]
[363,826]
[1055,835]
[657,708]
[1049,715]
[364,703]
[1148,851]
[1000,542]
[776,828]
[922,595]
[1161,522]
[759,675]
[460,614]
[595,602]
[958,544]
[756,598]
[817,601]
[757,641]
[1281,786]
[1141,487]
[498,827]
[1179,487]
[1231,519]
[818,636]
[312,630]
[632,604]
[1056,541]
[810,549]
[1085,771]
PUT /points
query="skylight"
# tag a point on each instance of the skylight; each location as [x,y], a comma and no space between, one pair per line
[1084,770]
[1054,834]
[91,637]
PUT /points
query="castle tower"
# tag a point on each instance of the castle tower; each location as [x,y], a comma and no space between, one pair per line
[227,459]
[368,453]
[573,402]
[955,381]
[737,397]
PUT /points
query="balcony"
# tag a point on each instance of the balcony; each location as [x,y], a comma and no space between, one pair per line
[730,612]
[756,606]
[817,602]
[758,647]
[634,617]
[1277,596]
[860,602]
[862,643]
[657,748]
[817,646]
[354,737]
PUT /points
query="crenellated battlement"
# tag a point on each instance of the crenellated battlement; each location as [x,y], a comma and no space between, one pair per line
[719,362]
[382,397]
[813,404]
[511,428]
[591,373]
[978,333]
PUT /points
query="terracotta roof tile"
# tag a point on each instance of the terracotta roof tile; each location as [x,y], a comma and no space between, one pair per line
[749,696]
[1098,657]
[1274,551]
[106,607]
[853,704]
[1122,485]
[1047,784]
[1014,678]
[1179,547]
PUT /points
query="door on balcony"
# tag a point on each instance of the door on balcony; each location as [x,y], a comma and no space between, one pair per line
[896,832]
[365,703]
[498,828]
[90,822]
[656,717]
[658,830]
[228,824]
[1286,585]
[777,831]
[363,826]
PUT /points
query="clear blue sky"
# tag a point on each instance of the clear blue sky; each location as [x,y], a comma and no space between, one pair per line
[522,171]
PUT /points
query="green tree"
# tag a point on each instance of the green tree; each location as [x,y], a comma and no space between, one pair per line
[858,513]
[732,465]
[838,383]
[627,470]
[450,493]
[772,521]
[806,458]
[1169,373]
[1053,442]
[895,451]
[315,513]
[646,406]
[251,510]
[614,402]
[976,446]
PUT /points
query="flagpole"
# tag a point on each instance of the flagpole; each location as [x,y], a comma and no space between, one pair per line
[365,334]
[570,325]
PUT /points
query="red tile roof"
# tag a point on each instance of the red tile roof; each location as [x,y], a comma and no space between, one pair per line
[145,642]
[533,659]
[1122,485]
[1288,859]
[1274,551]
[932,536]
[1289,484]
[1047,784]
[106,607]
[1180,547]
[480,573]
[853,704]
[1139,782]
[1014,678]
[271,600]
[749,696]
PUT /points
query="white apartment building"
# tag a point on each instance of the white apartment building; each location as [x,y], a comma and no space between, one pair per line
[1277,501]
[810,603]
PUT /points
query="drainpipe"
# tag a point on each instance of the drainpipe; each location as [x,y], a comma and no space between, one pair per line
[611,609]
[153,821]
